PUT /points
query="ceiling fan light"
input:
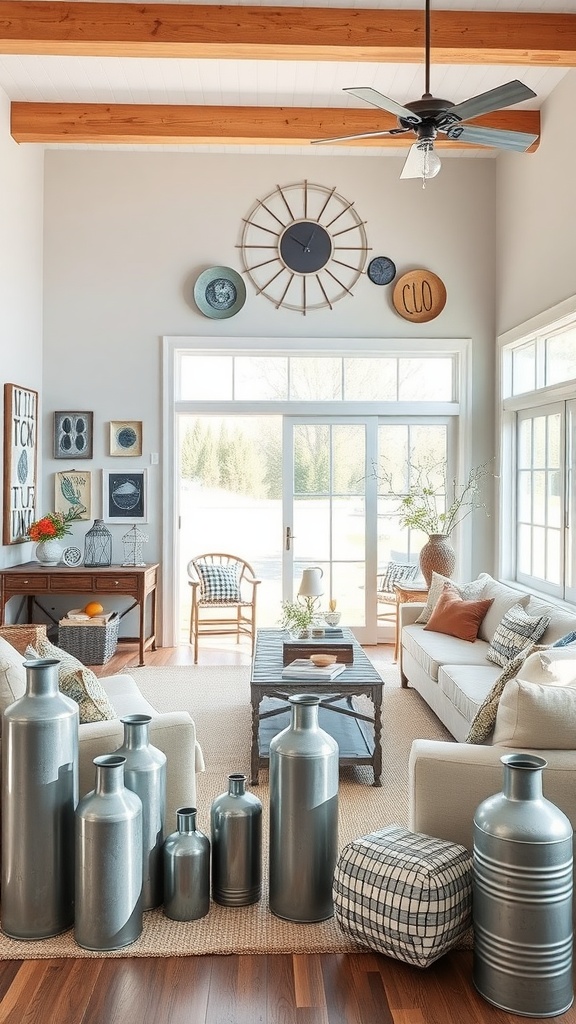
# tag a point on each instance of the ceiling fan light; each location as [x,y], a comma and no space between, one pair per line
[421,162]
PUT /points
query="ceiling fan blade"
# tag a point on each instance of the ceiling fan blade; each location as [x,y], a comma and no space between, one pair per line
[384,102]
[413,163]
[485,102]
[518,141]
[364,135]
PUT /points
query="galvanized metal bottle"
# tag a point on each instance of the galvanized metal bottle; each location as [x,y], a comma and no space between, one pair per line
[39,795]
[303,815]
[522,895]
[236,828]
[145,775]
[186,869]
[108,861]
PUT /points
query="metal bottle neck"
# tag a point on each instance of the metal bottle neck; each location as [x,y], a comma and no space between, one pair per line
[136,729]
[42,677]
[186,818]
[236,785]
[109,774]
[523,776]
[304,710]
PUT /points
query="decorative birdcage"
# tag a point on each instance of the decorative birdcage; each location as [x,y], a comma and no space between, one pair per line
[98,545]
[133,541]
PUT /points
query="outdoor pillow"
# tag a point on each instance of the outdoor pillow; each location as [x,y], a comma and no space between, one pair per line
[538,715]
[516,631]
[78,682]
[457,617]
[484,720]
[396,572]
[218,583]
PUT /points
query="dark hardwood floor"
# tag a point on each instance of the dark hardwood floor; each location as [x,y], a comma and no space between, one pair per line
[360,988]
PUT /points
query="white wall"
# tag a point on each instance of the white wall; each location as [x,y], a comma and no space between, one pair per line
[21,228]
[536,217]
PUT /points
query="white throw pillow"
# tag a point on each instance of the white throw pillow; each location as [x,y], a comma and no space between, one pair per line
[559,665]
[537,715]
[503,598]
[12,675]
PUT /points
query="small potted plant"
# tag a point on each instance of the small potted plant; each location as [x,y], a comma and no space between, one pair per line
[297,618]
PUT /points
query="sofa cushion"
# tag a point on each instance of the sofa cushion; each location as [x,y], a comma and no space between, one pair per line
[468,591]
[77,682]
[12,676]
[482,725]
[503,598]
[125,696]
[562,620]
[514,633]
[566,640]
[538,715]
[431,650]
[457,617]
[218,583]
[466,686]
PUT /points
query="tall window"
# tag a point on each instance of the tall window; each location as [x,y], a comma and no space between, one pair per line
[538,511]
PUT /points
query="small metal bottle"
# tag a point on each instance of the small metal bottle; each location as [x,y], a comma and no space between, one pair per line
[145,775]
[108,861]
[522,895]
[186,869]
[303,815]
[39,795]
[236,827]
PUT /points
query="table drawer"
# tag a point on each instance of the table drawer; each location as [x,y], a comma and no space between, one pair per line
[31,583]
[124,584]
[78,583]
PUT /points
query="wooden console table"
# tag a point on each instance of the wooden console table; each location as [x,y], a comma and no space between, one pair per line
[32,580]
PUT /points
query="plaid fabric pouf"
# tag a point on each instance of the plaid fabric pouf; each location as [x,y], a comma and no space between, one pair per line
[404,894]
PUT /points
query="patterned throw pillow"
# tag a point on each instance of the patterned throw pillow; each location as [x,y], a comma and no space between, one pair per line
[515,632]
[78,682]
[218,583]
[484,720]
[396,572]
[567,640]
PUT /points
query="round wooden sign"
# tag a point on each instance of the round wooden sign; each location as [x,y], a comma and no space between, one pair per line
[419,296]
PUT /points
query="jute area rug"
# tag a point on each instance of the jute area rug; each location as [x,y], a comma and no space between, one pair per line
[218,700]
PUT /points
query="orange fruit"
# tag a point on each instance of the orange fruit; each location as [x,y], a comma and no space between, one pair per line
[93,608]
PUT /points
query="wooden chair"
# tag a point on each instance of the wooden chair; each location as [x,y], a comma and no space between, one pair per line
[224,589]
[393,572]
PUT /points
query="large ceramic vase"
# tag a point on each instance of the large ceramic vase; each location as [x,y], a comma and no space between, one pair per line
[303,815]
[39,795]
[437,555]
[145,775]
[108,861]
[522,895]
[49,552]
[236,828]
[186,869]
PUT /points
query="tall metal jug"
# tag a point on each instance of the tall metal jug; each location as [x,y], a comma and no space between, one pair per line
[522,895]
[303,815]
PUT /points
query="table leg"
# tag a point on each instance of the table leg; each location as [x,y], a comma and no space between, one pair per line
[254,747]
[142,620]
[377,702]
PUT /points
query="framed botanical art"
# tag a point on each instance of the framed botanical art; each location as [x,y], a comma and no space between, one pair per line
[126,437]
[125,497]
[73,435]
[73,490]
[20,462]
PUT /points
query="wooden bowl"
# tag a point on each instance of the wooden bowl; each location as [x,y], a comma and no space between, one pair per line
[322,660]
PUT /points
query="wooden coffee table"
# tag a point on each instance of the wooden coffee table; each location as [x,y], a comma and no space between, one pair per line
[358,735]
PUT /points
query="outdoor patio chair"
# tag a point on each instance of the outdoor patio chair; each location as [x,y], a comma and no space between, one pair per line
[224,589]
[391,573]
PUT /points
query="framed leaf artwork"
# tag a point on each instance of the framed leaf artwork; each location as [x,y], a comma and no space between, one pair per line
[20,462]
[73,490]
[73,435]
[126,437]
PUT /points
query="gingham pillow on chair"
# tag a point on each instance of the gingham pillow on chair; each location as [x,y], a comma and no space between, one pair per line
[396,572]
[218,583]
[404,894]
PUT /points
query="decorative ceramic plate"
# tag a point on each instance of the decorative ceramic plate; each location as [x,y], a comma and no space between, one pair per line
[381,270]
[71,557]
[219,292]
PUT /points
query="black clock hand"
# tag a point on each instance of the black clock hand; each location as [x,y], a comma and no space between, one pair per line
[294,239]
[307,246]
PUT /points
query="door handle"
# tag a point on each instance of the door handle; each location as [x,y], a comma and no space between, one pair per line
[289,537]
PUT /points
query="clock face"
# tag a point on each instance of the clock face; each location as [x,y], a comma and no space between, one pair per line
[303,246]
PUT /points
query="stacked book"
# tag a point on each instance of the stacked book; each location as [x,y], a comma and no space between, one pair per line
[302,668]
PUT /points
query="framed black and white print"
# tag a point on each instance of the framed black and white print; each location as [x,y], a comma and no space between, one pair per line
[73,435]
[126,437]
[20,462]
[125,497]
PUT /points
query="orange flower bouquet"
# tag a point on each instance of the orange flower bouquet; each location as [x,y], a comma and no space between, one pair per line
[52,526]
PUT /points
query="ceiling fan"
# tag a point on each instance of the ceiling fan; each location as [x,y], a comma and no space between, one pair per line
[428,116]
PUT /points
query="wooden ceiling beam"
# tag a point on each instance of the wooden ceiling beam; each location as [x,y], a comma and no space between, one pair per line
[284,33]
[160,124]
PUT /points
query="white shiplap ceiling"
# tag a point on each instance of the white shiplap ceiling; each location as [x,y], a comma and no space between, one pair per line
[286,83]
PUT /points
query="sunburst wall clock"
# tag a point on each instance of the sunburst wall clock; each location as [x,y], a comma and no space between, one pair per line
[303,246]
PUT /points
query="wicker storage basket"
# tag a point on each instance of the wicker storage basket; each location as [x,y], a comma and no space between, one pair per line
[21,635]
[91,643]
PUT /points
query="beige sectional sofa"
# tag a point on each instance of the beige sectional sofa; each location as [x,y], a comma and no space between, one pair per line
[448,780]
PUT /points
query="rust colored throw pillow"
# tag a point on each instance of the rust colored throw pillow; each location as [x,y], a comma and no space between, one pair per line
[457,617]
